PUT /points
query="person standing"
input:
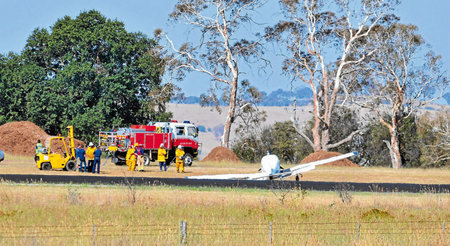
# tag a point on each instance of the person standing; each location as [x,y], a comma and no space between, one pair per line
[162,157]
[38,148]
[77,156]
[179,162]
[81,156]
[90,156]
[131,158]
[139,157]
[97,157]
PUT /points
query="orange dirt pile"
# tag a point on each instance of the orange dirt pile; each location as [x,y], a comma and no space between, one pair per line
[20,137]
[221,154]
[320,155]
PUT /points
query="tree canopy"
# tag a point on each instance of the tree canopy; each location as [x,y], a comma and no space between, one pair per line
[322,41]
[89,72]
[218,52]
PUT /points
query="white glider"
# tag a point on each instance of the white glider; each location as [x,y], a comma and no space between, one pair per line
[270,169]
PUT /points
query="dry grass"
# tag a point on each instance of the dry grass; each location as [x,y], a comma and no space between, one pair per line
[26,165]
[54,215]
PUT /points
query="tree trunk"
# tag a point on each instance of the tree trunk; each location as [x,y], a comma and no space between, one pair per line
[395,146]
[316,135]
[316,128]
[325,139]
[391,152]
[231,114]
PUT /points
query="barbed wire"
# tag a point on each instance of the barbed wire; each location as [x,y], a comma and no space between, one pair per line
[196,229]
[233,224]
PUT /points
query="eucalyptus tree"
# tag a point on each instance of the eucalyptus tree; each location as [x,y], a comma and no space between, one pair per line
[402,76]
[322,41]
[219,49]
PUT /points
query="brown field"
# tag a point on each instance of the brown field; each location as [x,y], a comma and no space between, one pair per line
[25,165]
[40,214]
[46,214]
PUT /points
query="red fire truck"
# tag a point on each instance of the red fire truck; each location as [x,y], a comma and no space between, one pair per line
[151,136]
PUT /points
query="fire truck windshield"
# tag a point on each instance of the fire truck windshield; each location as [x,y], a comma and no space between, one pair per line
[192,131]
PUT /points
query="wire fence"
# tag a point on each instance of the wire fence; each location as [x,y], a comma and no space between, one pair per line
[184,232]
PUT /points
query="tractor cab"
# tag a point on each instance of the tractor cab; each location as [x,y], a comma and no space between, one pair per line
[58,153]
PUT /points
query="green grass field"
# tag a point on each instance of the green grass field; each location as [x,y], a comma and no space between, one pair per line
[42,214]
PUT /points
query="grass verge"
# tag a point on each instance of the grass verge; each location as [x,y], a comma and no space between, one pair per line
[141,215]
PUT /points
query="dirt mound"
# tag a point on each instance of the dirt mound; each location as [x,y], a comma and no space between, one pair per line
[320,155]
[20,137]
[221,154]
[57,146]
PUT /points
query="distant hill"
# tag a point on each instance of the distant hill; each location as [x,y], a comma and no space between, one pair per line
[279,97]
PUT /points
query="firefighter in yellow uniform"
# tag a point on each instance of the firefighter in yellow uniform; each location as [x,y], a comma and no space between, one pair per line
[162,157]
[131,158]
[179,153]
[90,156]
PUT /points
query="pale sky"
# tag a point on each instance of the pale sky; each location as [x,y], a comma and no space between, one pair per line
[20,18]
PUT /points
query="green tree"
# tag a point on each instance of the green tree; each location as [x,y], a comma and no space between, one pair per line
[281,138]
[287,144]
[344,121]
[375,151]
[397,80]
[88,72]
[434,135]
[409,142]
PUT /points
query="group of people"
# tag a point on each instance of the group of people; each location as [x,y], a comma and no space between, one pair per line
[134,157]
[162,158]
[93,156]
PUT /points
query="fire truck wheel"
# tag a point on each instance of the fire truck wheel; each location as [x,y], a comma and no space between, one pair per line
[188,159]
[46,166]
[146,160]
[70,166]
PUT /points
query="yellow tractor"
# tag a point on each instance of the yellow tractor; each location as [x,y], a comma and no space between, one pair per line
[57,155]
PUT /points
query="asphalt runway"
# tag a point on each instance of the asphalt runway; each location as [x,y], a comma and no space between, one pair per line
[267,184]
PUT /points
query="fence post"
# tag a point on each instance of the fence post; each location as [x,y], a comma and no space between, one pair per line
[358,232]
[183,232]
[93,236]
[270,232]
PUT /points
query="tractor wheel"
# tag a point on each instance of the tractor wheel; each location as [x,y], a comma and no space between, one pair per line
[46,166]
[188,159]
[70,166]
